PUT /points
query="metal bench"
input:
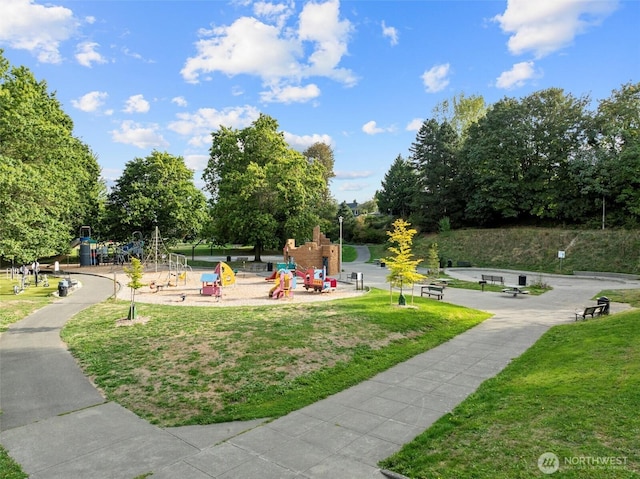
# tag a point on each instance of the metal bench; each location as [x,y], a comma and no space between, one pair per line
[432,290]
[493,279]
[592,311]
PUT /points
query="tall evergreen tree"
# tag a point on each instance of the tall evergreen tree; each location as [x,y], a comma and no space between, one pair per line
[435,159]
[398,187]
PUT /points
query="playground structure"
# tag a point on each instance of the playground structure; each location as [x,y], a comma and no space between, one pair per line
[318,253]
[211,285]
[317,280]
[133,249]
[285,283]
[226,274]
[87,246]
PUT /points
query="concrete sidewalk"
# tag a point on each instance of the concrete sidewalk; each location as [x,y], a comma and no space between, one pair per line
[343,436]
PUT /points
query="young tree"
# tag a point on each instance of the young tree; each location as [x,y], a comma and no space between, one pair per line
[263,192]
[134,273]
[402,267]
[156,191]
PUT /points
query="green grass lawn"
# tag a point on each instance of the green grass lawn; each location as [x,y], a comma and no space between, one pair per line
[14,307]
[8,467]
[575,393]
[193,365]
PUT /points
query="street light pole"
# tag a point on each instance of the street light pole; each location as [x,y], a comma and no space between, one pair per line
[340,253]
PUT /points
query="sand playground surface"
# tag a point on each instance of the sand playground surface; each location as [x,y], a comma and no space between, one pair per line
[250,289]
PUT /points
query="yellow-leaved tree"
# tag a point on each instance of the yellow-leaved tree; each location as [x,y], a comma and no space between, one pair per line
[135,273]
[402,266]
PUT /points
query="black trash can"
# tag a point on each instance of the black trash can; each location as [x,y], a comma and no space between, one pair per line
[269,266]
[228,259]
[607,304]
[522,280]
[382,264]
[449,263]
[63,288]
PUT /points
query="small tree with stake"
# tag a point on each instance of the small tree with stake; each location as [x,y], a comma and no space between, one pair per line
[402,266]
[135,276]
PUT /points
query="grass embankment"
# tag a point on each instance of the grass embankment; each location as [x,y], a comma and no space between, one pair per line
[208,365]
[536,249]
[575,393]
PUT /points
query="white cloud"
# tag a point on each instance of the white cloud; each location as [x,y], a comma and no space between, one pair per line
[372,128]
[276,12]
[290,94]
[517,76]
[90,19]
[196,162]
[247,46]
[353,186]
[86,54]
[320,24]
[179,100]
[205,120]
[136,104]
[144,137]
[415,124]
[391,33]
[352,175]
[90,101]
[39,29]
[545,26]
[282,55]
[301,143]
[436,79]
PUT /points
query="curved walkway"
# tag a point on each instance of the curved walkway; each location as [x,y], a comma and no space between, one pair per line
[56,425]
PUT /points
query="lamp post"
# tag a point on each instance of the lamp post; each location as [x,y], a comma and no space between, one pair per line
[340,253]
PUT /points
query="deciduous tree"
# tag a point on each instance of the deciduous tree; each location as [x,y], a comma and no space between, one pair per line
[263,192]
[157,190]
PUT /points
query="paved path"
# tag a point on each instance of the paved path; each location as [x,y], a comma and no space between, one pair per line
[56,425]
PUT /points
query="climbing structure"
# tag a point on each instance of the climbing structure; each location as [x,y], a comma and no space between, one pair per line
[319,253]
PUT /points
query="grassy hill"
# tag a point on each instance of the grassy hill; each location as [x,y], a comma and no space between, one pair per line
[536,249]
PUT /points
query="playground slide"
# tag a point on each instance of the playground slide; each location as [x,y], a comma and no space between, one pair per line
[277,292]
[75,242]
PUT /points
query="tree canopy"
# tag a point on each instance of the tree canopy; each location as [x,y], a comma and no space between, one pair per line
[157,190]
[541,159]
[262,191]
[49,180]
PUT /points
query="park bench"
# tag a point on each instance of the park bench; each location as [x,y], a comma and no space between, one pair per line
[493,279]
[592,311]
[242,259]
[432,290]
[463,264]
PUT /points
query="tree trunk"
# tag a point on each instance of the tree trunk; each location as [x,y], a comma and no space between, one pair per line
[258,252]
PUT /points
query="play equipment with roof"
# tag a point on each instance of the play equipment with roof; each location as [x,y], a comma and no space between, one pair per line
[211,285]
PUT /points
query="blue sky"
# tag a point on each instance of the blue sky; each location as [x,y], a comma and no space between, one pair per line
[359,75]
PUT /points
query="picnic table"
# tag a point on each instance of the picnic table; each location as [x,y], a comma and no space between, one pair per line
[515,290]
